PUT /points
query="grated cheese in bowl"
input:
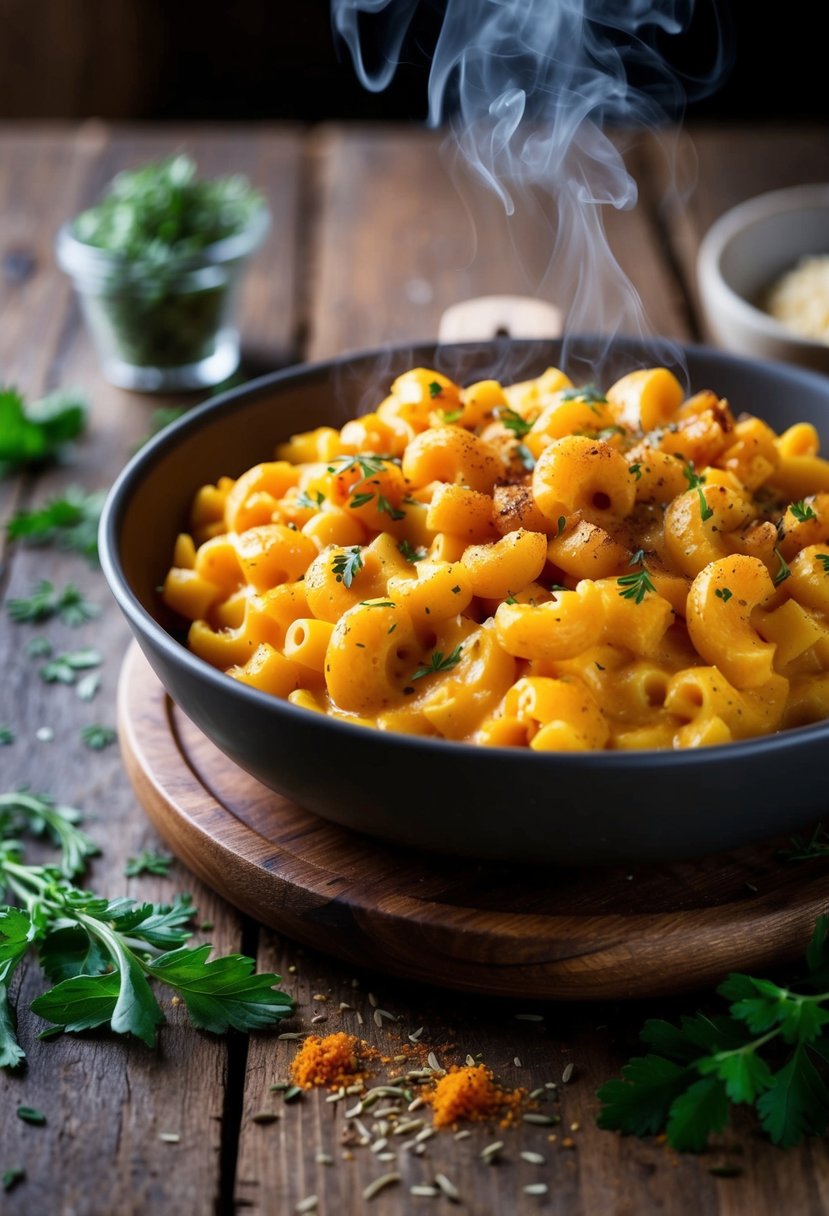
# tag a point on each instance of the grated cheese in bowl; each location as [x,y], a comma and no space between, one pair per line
[800,298]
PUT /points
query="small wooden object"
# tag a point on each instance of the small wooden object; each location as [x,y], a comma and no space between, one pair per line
[501,930]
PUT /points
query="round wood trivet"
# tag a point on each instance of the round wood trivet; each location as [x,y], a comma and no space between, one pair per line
[500,930]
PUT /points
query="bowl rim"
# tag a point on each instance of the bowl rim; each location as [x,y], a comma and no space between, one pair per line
[737,220]
[141,621]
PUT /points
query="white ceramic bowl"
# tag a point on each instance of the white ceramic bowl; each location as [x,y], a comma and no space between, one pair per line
[744,252]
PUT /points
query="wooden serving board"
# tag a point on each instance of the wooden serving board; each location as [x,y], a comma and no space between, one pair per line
[500,930]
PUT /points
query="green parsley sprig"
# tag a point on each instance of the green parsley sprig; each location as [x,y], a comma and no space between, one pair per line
[35,433]
[802,511]
[439,662]
[70,522]
[46,601]
[102,956]
[767,1052]
[346,565]
[588,394]
[513,421]
[637,585]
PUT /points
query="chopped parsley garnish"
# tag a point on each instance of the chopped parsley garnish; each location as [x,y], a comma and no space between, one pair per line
[636,471]
[514,422]
[783,571]
[98,737]
[435,389]
[693,478]
[308,501]
[30,1115]
[589,394]
[346,565]
[70,522]
[803,849]
[637,558]
[369,464]
[452,415]
[823,558]
[148,862]
[724,594]
[705,511]
[11,1177]
[561,524]
[6,736]
[635,586]
[377,604]
[361,500]
[410,553]
[439,662]
[64,669]
[802,511]
[385,506]
[45,602]
[38,648]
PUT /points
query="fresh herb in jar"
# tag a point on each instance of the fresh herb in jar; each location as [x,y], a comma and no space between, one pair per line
[159,293]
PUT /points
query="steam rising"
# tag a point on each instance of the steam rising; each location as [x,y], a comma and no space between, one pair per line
[531,88]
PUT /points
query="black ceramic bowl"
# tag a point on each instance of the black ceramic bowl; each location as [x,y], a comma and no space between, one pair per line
[517,805]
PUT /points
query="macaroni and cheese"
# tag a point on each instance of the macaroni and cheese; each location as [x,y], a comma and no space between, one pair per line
[537,565]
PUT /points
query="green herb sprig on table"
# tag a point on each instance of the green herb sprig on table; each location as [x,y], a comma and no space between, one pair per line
[46,601]
[102,956]
[31,434]
[767,1052]
[70,522]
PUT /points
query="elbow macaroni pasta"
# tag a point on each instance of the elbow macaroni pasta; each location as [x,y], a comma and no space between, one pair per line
[533,565]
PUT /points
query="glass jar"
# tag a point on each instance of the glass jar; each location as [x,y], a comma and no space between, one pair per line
[170,329]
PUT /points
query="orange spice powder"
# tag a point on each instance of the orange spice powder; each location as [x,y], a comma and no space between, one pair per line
[471,1093]
[332,1061]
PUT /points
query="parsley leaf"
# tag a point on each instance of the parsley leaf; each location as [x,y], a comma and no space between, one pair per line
[45,602]
[148,862]
[635,586]
[98,737]
[783,571]
[347,564]
[29,435]
[823,558]
[764,1055]
[6,736]
[70,522]
[724,594]
[435,389]
[222,993]
[589,394]
[514,422]
[64,669]
[802,511]
[410,553]
[439,662]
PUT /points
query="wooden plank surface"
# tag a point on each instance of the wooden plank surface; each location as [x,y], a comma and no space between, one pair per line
[107,1099]
[356,259]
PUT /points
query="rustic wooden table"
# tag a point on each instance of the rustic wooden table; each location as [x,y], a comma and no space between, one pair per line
[370,243]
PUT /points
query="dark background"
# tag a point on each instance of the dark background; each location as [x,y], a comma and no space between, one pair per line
[277,59]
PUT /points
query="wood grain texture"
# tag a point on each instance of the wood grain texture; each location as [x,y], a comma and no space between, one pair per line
[404,232]
[107,1099]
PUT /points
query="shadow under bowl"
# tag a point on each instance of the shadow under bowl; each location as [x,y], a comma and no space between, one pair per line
[597,808]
